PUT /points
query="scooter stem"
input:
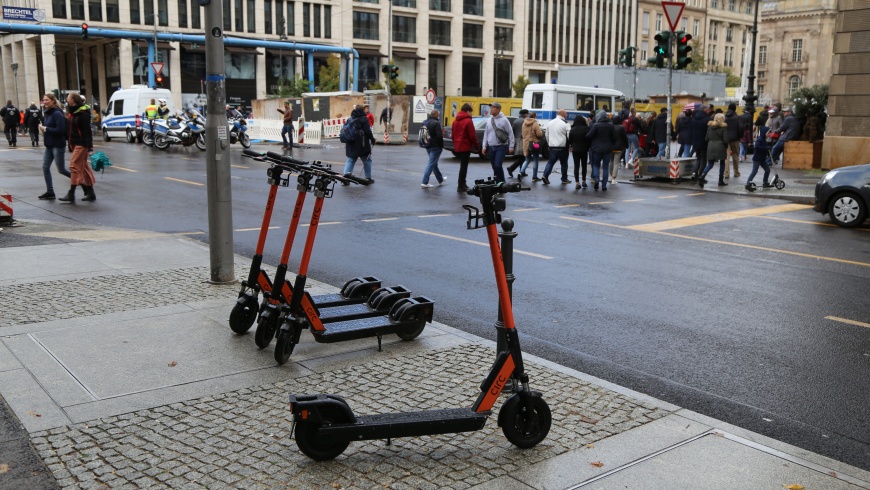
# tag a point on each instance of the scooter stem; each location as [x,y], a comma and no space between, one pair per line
[504,298]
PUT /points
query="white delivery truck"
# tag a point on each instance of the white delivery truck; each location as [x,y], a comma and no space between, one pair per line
[123,116]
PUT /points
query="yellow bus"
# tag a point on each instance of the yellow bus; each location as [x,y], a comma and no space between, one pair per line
[480,106]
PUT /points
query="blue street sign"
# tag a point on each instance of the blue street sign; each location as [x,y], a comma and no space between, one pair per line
[25,14]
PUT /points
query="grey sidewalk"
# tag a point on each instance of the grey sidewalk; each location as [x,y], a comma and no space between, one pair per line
[117,358]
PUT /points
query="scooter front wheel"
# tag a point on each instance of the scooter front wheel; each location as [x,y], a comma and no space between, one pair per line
[284,347]
[243,315]
[320,448]
[525,426]
[266,329]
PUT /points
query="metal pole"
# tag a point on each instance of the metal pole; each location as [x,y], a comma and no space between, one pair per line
[78,78]
[671,40]
[220,211]
[390,64]
[750,97]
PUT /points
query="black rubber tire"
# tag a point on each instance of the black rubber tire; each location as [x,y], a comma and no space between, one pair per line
[412,334]
[316,448]
[779,184]
[131,136]
[200,142]
[266,327]
[245,140]
[146,139]
[525,428]
[161,142]
[846,209]
[106,136]
[284,347]
[243,316]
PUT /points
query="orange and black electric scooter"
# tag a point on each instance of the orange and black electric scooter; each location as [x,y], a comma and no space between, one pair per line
[247,308]
[325,424]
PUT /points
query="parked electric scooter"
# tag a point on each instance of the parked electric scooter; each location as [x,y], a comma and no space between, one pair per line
[247,308]
[324,425]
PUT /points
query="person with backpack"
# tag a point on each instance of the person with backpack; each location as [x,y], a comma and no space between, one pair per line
[53,129]
[464,141]
[11,119]
[80,142]
[432,139]
[32,120]
[498,140]
[359,140]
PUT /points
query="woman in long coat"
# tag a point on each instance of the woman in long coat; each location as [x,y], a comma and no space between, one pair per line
[717,148]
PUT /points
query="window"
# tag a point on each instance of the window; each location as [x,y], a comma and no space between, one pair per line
[472,36]
[749,11]
[794,83]
[404,29]
[537,100]
[504,38]
[252,24]
[291,19]
[405,3]
[58,8]
[267,16]
[504,9]
[684,24]
[714,4]
[658,22]
[729,34]
[77,9]
[316,20]
[732,7]
[797,47]
[163,12]
[113,11]
[762,55]
[472,7]
[368,1]
[365,25]
[761,74]
[182,13]
[228,18]
[95,10]
[327,21]
[760,89]
[439,32]
[240,15]
[645,24]
[306,19]
[696,28]
[644,49]
[439,5]
[195,15]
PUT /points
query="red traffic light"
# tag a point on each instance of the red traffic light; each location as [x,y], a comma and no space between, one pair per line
[84,26]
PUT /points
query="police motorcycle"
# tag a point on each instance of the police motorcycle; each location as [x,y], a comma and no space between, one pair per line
[238,129]
[178,129]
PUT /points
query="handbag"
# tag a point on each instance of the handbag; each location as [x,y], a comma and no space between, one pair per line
[501,134]
[534,147]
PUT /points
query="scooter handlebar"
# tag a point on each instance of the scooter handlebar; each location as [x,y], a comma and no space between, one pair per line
[252,153]
[497,187]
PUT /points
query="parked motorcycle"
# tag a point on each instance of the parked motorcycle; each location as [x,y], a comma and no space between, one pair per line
[238,131]
[181,129]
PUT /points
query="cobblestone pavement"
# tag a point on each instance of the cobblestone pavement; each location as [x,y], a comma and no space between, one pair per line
[242,439]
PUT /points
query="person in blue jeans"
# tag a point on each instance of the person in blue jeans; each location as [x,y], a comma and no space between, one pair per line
[53,129]
[759,159]
[436,146]
[498,140]
[557,139]
[602,138]
[287,129]
[361,147]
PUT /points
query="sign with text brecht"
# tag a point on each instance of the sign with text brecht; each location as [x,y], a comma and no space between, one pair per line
[25,14]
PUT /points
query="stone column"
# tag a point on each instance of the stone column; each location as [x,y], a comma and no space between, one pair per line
[31,88]
[175,69]
[101,77]
[125,58]
[49,63]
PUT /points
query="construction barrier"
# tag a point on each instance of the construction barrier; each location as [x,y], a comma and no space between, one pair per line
[332,127]
[270,130]
[636,164]
[5,208]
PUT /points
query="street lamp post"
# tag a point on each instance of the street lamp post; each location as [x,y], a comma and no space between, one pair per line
[750,96]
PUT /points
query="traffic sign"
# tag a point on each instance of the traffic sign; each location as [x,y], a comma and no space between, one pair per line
[157,67]
[673,12]
[430,96]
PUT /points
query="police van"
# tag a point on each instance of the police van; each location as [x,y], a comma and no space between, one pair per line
[123,116]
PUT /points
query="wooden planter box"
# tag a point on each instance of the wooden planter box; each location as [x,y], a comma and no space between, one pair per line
[802,155]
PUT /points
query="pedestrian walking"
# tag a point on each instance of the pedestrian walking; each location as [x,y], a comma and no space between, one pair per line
[557,140]
[11,119]
[369,116]
[759,159]
[579,144]
[745,123]
[788,131]
[287,129]
[386,118]
[660,129]
[532,133]
[601,142]
[53,129]
[80,143]
[698,131]
[498,140]
[620,145]
[684,133]
[717,148]
[732,122]
[632,126]
[517,126]
[32,120]
[464,140]
[434,147]
[359,147]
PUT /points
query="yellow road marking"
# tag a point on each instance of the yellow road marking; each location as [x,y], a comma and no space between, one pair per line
[239,166]
[668,197]
[564,206]
[717,217]
[434,215]
[697,194]
[808,222]
[256,229]
[473,242]
[124,169]
[184,181]
[378,219]
[846,320]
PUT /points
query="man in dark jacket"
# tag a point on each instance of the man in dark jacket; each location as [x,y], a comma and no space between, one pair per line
[11,119]
[517,125]
[660,129]
[698,131]
[436,146]
[788,131]
[602,139]
[361,147]
[732,131]
[32,120]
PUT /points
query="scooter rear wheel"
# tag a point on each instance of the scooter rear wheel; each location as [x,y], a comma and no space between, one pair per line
[779,184]
[243,315]
[283,348]
[525,426]
[316,447]
[265,330]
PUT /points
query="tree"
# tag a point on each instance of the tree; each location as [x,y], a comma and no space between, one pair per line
[519,86]
[809,105]
[330,74]
[698,63]
[293,87]
[397,86]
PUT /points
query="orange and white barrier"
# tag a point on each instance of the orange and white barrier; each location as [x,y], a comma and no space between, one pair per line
[5,208]
[675,170]
[636,164]
[332,127]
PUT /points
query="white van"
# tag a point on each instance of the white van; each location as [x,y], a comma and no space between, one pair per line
[122,117]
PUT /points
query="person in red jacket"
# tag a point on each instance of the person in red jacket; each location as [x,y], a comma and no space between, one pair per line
[464,140]
[369,116]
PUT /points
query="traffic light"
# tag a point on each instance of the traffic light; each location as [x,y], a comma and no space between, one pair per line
[84,31]
[626,56]
[662,49]
[385,69]
[159,80]
[683,50]
[394,72]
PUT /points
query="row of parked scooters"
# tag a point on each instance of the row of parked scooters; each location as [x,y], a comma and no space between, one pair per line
[186,128]
[324,424]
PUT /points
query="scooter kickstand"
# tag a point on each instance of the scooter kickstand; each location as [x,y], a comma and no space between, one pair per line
[379,345]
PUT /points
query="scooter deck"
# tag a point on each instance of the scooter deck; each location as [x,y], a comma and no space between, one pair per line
[362,328]
[331,300]
[409,424]
[348,312]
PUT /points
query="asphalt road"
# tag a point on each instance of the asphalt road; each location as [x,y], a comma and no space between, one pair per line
[750,310]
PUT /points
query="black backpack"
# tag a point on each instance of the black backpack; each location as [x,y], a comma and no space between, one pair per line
[350,133]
